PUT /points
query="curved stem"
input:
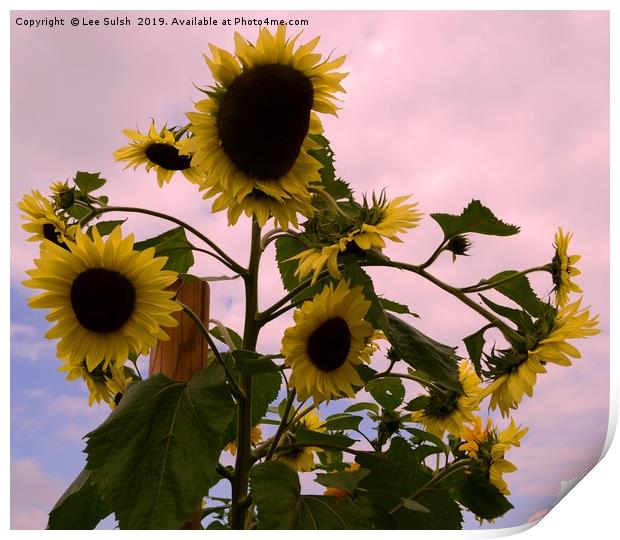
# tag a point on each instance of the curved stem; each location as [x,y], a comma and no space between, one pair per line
[283,424]
[272,235]
[225,334]
[331,202]
[233,265]
[486,285]
[235,389]
[434,256]
[416,378]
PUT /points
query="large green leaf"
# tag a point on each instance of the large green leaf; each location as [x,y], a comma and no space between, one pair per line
[474,344]
[287,247]
[336,187]
[519,290]
[252,362]
[423,353]
[478,495]
[357,277]
[318,438]
[476,218]
[344,480]
[88,182]
[155,456]
[80,507]
[397,475]
[174,245]
[276,490]
[389,392]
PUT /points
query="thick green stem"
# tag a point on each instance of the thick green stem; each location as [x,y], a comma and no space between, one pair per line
[244,424]
[486,285]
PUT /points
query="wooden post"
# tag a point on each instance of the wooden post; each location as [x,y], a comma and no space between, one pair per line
[186,353]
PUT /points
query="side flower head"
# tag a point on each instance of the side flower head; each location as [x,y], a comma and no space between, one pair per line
[451,410]
[160,151]
[563,269]
[508,389]
[255,438]
[488,446]
[327,342]
[302,459]
[42,222]
[252,135]
[106,299]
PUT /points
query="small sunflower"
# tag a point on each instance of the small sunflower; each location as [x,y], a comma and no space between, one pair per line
[96,381]
[107,300]
[302,459]
[117,382]
[255,437]
[43,223]
[451,410]
[563,269]
[158,150]
[508,389]
[385,220]
[313,261]
[254,131]
[326,343]
[488,447]
[62,194]
[371,345]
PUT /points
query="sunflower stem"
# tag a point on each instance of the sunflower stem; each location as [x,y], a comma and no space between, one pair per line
[251,330]
[331,202]
[435,254]
[486,284]
[283,425]
[233,265]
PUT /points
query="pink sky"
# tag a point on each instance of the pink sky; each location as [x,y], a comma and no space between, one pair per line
[508,107]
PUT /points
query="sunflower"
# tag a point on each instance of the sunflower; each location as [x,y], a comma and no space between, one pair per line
[326,343]
[95,381]
[488,447]
[107,300]
[451,410]
[62,194]
[570,323]
[255,437]
[370,224]
[563,269]
[385,220]
[263,206]
[160,151]
[371,345]
[117,382]
[302,459]
[254,131]
[43,223]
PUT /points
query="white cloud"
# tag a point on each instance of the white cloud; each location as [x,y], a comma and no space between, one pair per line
[33,494]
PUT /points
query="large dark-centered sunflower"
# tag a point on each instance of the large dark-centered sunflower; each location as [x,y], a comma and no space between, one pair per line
[106,299]
[328,340]
[160,151]
[253,132]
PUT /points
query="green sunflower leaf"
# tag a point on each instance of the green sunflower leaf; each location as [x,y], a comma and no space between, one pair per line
[363,406]
[155,456]
[357,277]
[79,507]
[478,495]
[318,438]
[475,218]
[174,245]
[336,187]
[344,480]
[423,353]
[236,338]
[105,227]
[519,290]
[475,345]
[88,182]
[389,392]
[276,490]
[395,307]
[342,422]
[287,247]
[397,475]
[417,404]
[253,363]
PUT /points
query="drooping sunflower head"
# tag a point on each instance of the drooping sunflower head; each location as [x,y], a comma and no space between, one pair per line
[563,269]
[107,300]
[62,194]
[253,132]
[160,151]
[326,343]
[301,459]
[450,410]
[488,448]
[516,373]
[42,222]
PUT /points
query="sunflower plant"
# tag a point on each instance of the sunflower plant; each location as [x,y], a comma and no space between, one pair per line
[386,418]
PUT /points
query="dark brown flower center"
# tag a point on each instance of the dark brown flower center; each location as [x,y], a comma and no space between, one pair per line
[329,345]
[167,157]
[442,404]
[264,118]
[102,300]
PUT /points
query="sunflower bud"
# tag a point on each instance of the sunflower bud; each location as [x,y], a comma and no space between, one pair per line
[458,245]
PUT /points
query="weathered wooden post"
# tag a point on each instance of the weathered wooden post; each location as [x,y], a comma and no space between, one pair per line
[186,353]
